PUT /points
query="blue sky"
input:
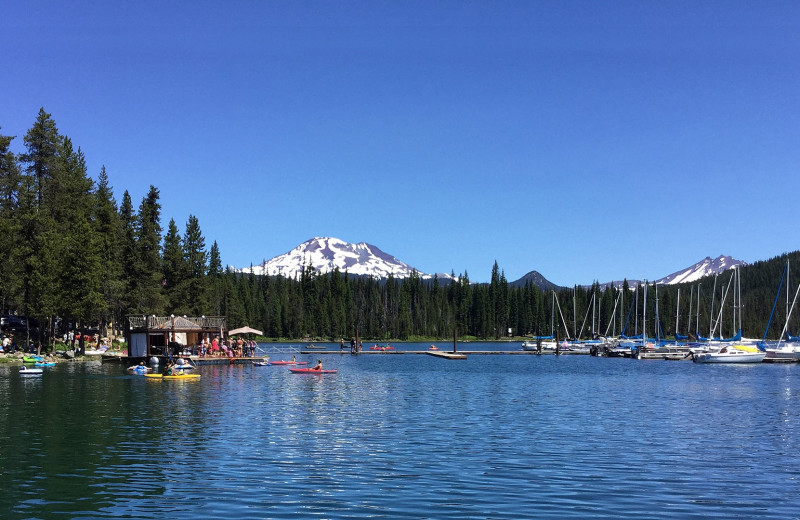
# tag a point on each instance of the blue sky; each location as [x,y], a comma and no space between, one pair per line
[585,140]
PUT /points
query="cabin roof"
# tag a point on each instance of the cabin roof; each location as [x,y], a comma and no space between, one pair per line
[142,323]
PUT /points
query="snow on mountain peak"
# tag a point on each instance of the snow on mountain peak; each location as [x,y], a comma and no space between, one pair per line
[705,267]
[325,254]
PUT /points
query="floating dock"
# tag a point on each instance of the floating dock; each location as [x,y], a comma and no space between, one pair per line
[447,355]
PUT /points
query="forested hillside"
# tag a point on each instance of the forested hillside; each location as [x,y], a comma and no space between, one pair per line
[75,257]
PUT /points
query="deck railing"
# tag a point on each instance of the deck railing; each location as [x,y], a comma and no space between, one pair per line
[142,322]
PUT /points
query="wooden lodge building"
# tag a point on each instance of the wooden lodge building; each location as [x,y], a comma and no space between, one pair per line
[162,336]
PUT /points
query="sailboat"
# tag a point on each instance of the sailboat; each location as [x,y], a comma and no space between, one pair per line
[784,351]
[730,350]
[732,353]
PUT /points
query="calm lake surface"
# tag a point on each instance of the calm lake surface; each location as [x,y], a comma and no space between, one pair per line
[405,436]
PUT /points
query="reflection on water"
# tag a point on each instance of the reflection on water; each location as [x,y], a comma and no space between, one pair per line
[404,436]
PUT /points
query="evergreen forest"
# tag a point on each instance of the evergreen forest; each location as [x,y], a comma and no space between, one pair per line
[76,258]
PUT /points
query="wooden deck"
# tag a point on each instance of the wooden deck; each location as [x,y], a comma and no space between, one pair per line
[222,360]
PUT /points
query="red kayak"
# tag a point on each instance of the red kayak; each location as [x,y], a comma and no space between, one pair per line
[288,362]
[310,371]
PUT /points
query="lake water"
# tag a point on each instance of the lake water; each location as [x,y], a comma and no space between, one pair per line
[405,436]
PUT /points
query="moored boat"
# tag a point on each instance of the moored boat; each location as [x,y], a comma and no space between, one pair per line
[731,354]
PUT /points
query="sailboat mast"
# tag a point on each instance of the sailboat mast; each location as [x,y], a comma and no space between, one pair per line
[711,316]
[677,313]
[739,283]
[697,322]
[644,312]
[658,317]
[689,317]
[574,313]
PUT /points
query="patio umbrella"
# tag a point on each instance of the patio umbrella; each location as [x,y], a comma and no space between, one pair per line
[244,330]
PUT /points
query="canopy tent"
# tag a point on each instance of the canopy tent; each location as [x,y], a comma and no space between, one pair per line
[244,330]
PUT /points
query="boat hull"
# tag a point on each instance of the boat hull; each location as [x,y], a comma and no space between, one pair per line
[715,357]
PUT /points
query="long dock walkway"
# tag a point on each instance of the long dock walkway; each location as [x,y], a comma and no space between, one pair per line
[439,353]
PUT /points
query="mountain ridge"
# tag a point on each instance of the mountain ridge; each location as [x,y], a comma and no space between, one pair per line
[325,254]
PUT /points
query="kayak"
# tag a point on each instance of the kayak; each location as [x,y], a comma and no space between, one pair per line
[260,364]
[25,371]
[310,371]
[32,359]
[177,376]
[288,362]
[43,364]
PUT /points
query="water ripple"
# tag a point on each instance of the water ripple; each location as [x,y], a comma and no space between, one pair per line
[406,437]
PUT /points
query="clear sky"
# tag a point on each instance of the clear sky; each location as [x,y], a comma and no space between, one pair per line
[586,140]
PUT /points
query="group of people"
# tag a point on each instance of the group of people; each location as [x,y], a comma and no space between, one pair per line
[8,345]
[355,347]
[227,348]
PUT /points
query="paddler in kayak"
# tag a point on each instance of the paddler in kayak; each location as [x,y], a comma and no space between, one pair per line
[318,366]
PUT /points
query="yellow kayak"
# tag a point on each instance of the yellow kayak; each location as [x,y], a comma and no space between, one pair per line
[176,376]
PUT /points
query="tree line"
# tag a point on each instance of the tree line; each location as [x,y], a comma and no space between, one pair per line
[73,257]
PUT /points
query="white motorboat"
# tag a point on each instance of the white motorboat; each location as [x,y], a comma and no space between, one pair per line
[548,346]
[731,354]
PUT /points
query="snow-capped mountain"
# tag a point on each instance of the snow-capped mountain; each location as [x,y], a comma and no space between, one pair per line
[705,267]
[325,254]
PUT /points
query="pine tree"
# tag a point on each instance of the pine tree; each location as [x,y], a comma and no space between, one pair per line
[10,186]
[109,231]
[129,253]
[42,142]
[147,296]
[79,270]
[174,269]
[40,241]
[195,259]
[214,281]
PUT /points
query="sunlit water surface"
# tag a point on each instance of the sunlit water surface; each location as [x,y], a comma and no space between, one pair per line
[405,436]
